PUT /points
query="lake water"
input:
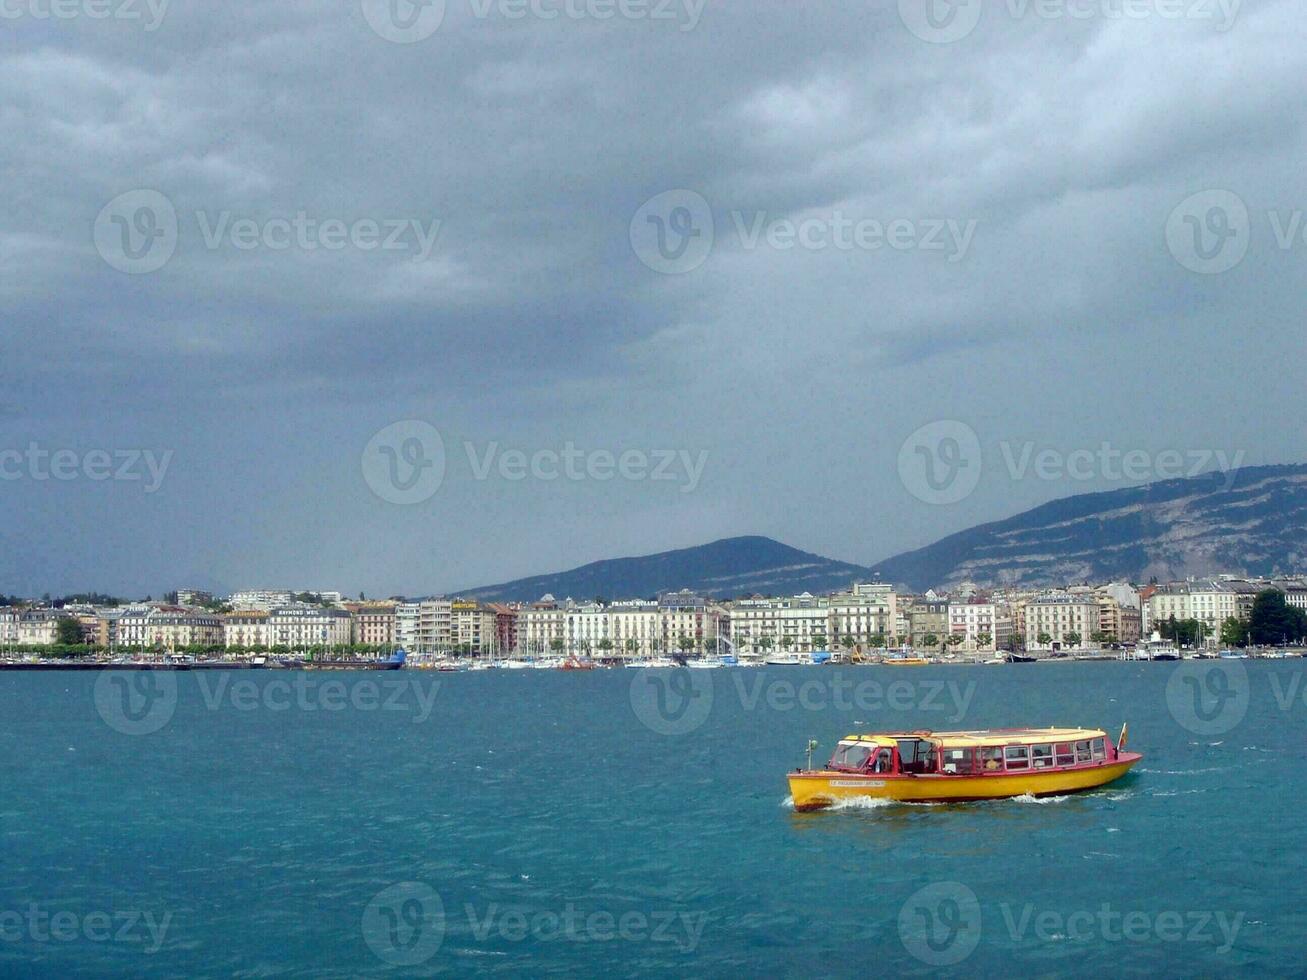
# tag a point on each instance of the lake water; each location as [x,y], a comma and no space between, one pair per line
[619,822]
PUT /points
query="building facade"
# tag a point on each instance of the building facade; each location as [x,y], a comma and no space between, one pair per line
[168,628]
[372,623]
[1058,622]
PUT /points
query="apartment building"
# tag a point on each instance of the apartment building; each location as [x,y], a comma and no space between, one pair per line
[373,623]
[800,623]
[866,611]
[1060,621]
[168,628]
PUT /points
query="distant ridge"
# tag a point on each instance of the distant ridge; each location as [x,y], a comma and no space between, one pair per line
[1252,521]
[724,569]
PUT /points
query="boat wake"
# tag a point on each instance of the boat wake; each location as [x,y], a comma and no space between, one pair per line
[1041,800]
[1180,772]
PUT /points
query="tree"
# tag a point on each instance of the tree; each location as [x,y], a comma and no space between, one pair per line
[930,640]
[765,643]
[1072,639]
[1273,620]
[605,645]
[818,641]
[848,642]
[787,642]
[878,641]
[632,645]
[1043,639]
[1234,632]
[984,639]
[68,631]
[556,645]
[954,639]
[1098,637]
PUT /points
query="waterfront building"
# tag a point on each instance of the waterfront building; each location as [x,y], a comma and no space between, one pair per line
[1119,623]
[1066,621]
[472,627]
[166,627]
[542,627]
[408,624]
[194,597]
[691,623]
[798,623]
[506,638]
[974,624]
[866,614]
[9,616]
[1208,601]
[247,628]
[372,623]
[302,627]
[928,616]
[31,627]
[435,626]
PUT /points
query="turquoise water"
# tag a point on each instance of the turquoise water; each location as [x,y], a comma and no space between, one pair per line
[614,823]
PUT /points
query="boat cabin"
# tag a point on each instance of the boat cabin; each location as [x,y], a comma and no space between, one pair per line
[973,753]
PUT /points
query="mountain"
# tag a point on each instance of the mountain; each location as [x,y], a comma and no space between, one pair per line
[726,568]
[1249,521]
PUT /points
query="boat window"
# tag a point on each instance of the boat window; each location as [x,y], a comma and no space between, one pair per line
[1018,756]
[1100,752]
[991,758]
[1041,756]
[957,761]
[915,754]
[851,755]
[1082,752]
[1066,754]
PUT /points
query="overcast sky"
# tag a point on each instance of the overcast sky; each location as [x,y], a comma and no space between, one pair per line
[330,263]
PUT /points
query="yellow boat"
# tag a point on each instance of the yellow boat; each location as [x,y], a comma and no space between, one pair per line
[952,767]
[905,661]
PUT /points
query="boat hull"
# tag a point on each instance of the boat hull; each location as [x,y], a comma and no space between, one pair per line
[816,790]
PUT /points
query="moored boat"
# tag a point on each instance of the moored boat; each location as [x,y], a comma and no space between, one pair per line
[787,659]
[953,767]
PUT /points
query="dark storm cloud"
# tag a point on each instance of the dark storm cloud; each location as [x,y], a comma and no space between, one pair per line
[516,151]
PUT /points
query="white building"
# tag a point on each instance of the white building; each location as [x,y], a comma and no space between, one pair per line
[304,627]
[1060,621]
[866,612]
[168,628]
[978,623]
[1208,601]
[408,625]
[542,627]
[799,623]
[260,598]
